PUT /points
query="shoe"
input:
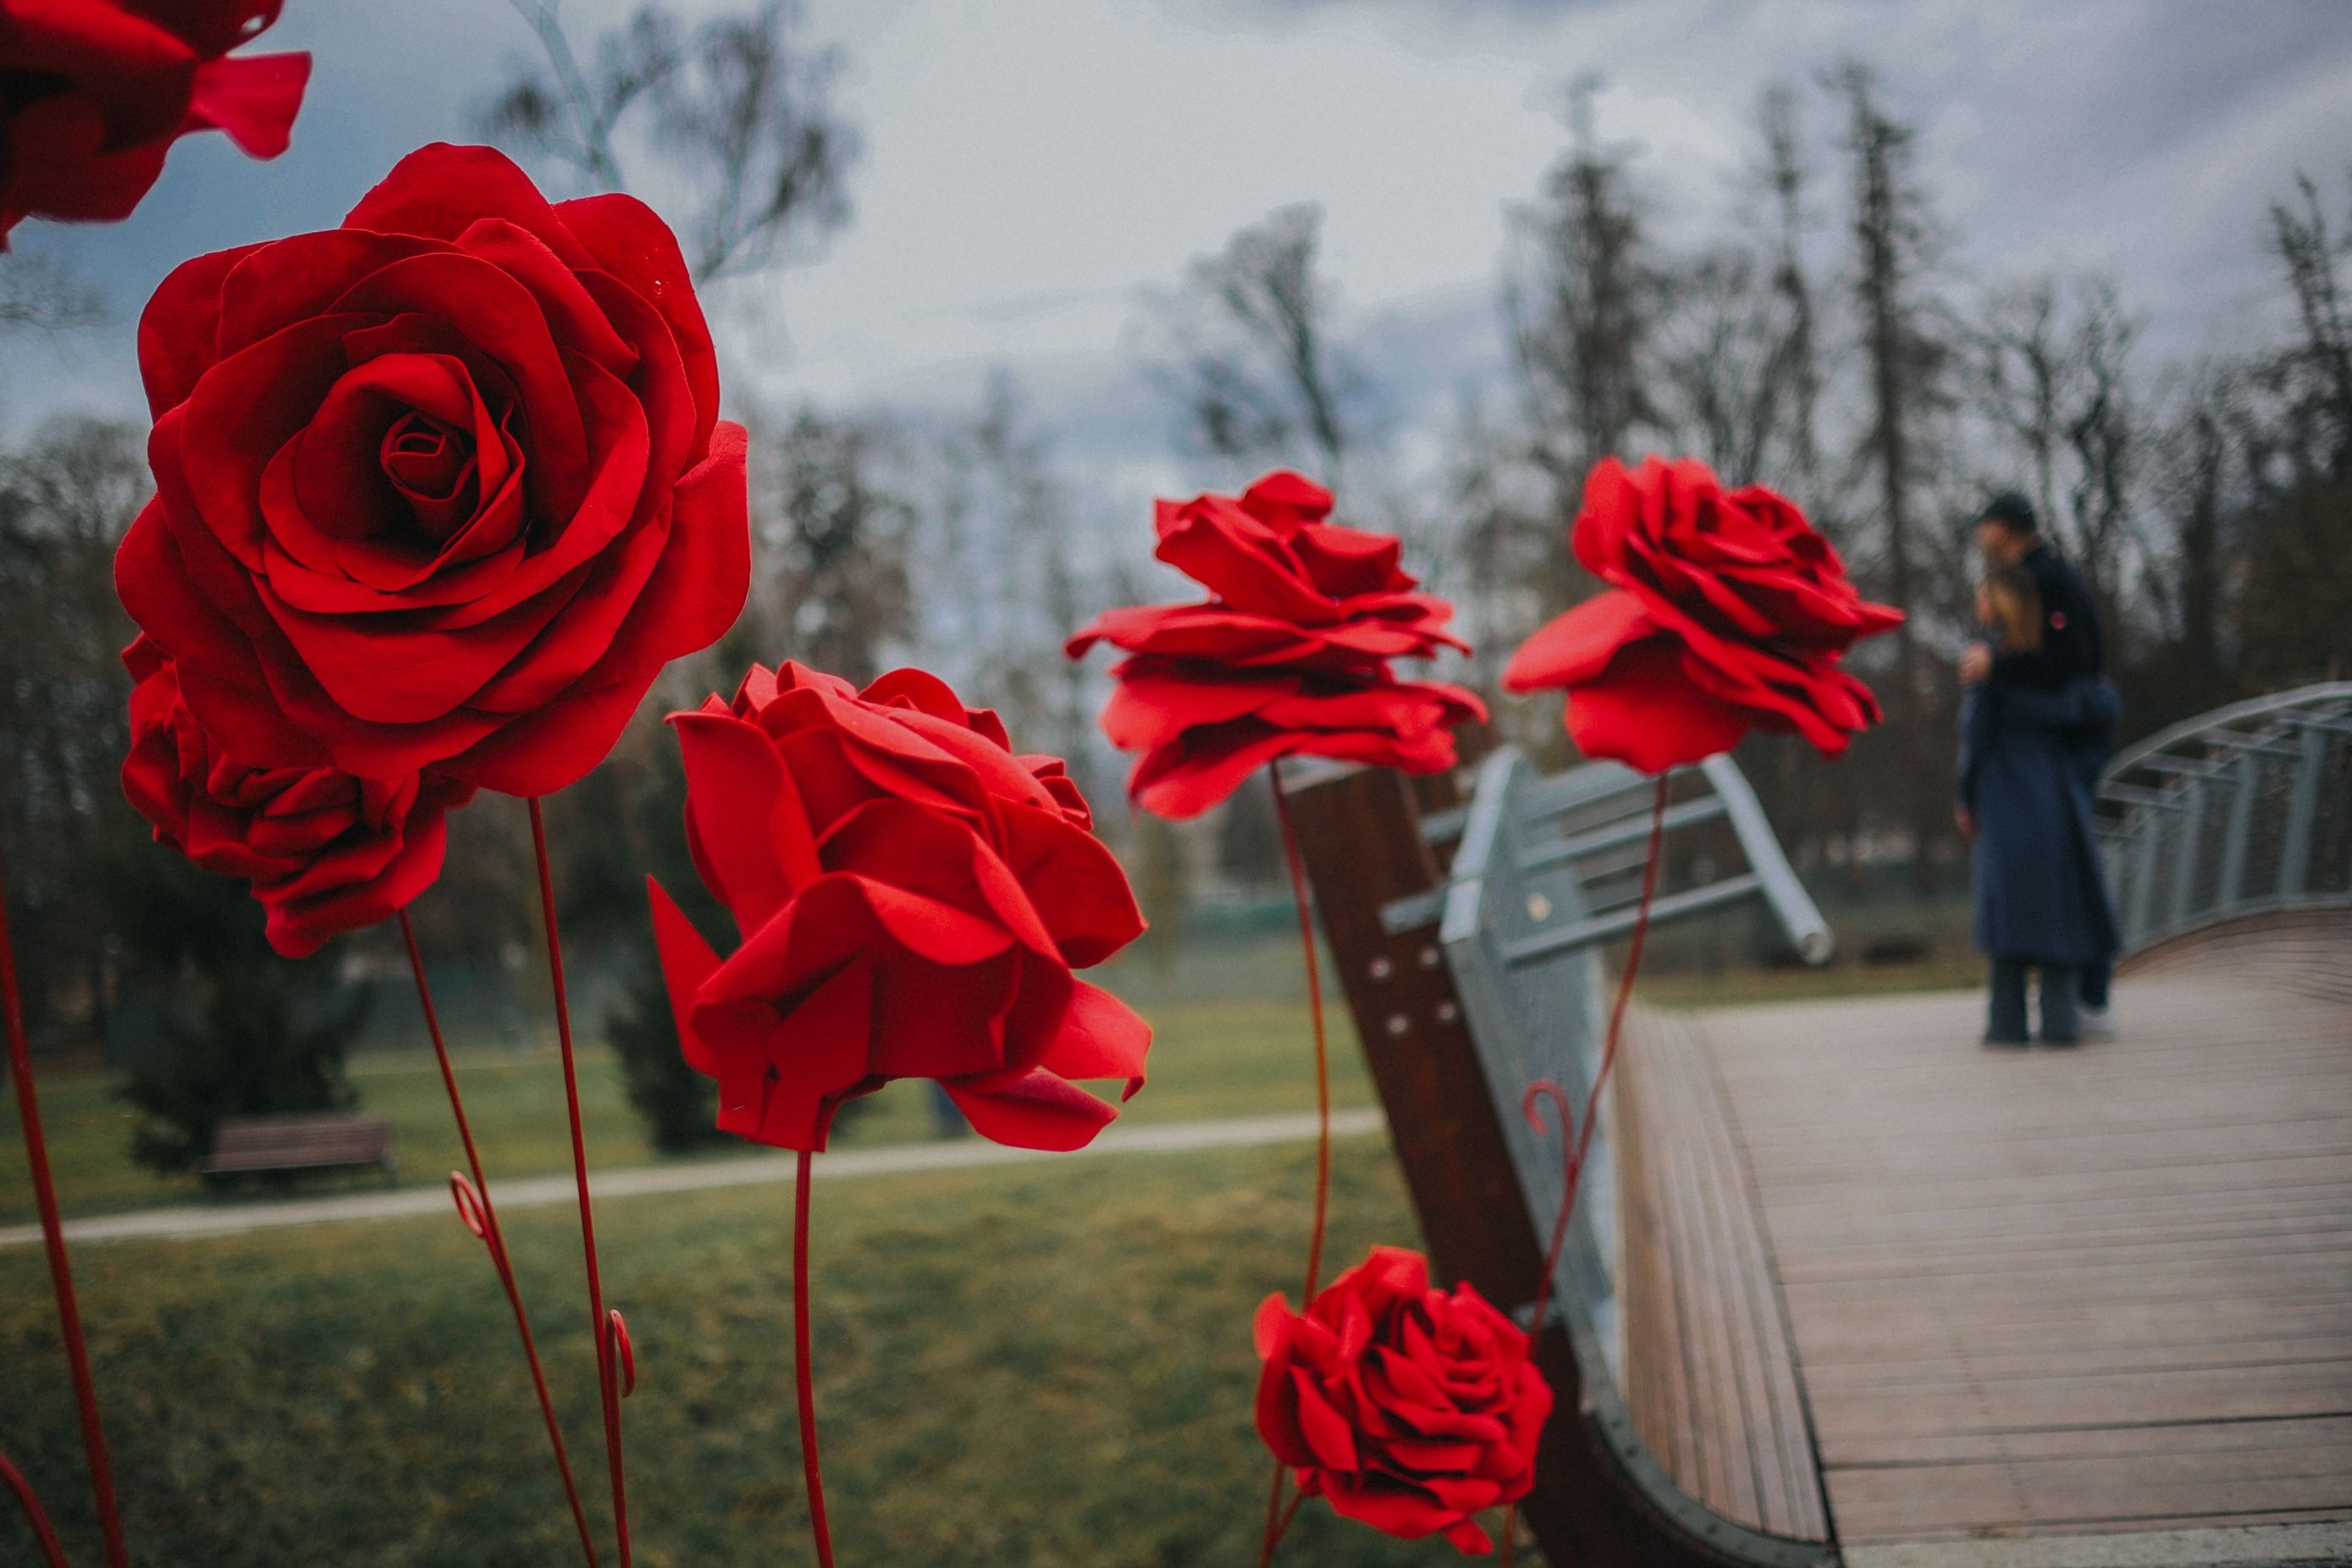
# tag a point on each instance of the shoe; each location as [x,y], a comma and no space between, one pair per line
[2097,1023]
[2006,1042]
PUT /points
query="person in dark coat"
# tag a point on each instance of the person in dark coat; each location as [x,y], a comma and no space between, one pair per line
[2041,899]
[2070,649]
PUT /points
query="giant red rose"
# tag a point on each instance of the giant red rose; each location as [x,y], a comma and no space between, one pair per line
[444,488]
[1411,1408]
[94,92]
[1290,656]
[912,896]
[1726,612]
[326,852]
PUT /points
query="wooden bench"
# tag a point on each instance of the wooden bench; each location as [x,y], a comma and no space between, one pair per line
[263,1145]
[1465,923]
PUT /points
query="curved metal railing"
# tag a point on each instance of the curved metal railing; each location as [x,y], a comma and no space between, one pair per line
[2241,811]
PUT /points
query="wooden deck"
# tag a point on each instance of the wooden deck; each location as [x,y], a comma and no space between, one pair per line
[2055,1293]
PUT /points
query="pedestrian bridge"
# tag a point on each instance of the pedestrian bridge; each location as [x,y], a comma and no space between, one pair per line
[1843,1285]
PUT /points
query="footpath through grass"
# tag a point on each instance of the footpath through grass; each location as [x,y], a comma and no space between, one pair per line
[1035,1365]
[1211,1058]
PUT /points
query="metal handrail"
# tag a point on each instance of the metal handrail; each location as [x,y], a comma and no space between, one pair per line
[2243,810]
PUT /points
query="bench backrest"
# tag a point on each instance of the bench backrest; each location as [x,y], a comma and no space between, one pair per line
[1467,935]
[266,1143]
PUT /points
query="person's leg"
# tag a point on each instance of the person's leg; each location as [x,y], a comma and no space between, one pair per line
[2005,1022]
[2094,985]
[2060,1025]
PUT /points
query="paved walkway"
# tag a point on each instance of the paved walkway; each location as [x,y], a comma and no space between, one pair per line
[528,1192]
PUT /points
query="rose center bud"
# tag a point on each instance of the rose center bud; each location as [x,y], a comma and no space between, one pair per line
[431,466]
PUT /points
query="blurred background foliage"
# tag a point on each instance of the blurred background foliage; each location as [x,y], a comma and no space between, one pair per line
[1817,339]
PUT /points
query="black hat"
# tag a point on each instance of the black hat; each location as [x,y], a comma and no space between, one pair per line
[2010,510]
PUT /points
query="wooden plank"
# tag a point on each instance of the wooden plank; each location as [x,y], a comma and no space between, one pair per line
[1709,1369]
[2109,1288]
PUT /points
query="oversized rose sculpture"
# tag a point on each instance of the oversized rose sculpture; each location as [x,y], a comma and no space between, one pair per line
[1726,612]
[442,488]
[1411,1408]
[912,896]
[326,852]
[1290,654]
[94,92]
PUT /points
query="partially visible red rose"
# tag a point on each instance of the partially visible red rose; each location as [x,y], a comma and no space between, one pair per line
[1411,1408]
[444,488]
[1728,611]
[912,896]
[1291,656]
[94,92]
[326,852]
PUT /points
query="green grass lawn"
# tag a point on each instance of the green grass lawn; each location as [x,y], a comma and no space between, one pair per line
[1243,1053]
[1210,1058]
[1041,1365]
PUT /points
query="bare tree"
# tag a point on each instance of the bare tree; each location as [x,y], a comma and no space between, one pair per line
[65,499]
[1796,361]
[41,294]
[1582,296]
[838,540]
[1260,376]
[2323,362]
[740,114]
[1904,354]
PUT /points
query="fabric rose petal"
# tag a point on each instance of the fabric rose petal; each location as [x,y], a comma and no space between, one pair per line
[912,896]
[442,488]
[1726,612]
[1411,1408]
[1290,656]
[94,92]
[326,852]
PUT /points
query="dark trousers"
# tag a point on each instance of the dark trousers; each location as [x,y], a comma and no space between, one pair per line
[2093,984]
[2059,1020]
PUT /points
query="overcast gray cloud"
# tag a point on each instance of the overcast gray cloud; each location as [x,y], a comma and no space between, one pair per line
[1032,165]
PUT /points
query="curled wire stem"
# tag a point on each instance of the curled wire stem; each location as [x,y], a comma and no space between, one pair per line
[1278,1520]
[53,1240]
[44,1534]
[608,1375]
[472,1196]
[1544,1089]
[803,1375]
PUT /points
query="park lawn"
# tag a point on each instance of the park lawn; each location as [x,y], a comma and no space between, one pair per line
[1027,1365]
[1211,1058]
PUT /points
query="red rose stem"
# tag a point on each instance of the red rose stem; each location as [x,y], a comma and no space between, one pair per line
[43,1535]
[606,1328]
[802,1375]
[1276,1520]
[53,1237]
[475,1209]
[1545,1088]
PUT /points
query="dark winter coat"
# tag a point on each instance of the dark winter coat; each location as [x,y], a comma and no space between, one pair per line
[2040,893]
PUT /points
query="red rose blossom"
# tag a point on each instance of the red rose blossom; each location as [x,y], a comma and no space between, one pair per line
[444,488]
[1727,613]
[1290,656]
[912,896]
[326,852]
[94,92]
[1411,1408]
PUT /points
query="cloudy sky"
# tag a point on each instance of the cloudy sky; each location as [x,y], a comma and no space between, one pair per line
[1032,167]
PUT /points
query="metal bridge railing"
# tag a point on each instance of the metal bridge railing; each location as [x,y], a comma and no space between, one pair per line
[2241,811]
